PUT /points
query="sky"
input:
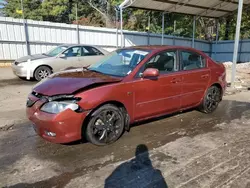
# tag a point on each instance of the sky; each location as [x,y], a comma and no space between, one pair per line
[1,1]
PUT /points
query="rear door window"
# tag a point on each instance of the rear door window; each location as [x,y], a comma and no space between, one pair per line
[192,60]
[91,51]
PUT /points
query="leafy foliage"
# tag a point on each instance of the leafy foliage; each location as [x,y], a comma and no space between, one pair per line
[31,9]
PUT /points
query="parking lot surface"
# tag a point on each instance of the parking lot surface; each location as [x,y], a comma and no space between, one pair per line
[188,149]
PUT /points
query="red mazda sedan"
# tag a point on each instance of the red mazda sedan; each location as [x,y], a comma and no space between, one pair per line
[129,85]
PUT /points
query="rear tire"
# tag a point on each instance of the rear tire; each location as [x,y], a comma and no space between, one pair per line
[211,100]
[105,126]
[42,72]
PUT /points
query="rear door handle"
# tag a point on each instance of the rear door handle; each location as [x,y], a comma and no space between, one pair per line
[205,76]
[175,80]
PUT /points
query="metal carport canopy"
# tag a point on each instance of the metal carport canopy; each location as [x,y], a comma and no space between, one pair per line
[204,8]
[197,8]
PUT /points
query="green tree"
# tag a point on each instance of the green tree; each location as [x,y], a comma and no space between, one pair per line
[57,10]
[31,9]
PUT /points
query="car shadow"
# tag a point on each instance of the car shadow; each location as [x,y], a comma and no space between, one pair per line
[151,120]
[17,81]
[138,172]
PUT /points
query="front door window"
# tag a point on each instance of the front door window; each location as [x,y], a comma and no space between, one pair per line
[73,52]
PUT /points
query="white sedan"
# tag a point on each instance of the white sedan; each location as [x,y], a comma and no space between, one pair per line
[40,66]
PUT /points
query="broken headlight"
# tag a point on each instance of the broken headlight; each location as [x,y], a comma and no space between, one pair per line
[55,107]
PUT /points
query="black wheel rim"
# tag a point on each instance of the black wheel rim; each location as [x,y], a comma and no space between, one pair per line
[107,126]
[212,99]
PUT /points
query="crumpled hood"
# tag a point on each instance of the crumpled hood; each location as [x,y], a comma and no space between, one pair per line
[31,57]
[68,82]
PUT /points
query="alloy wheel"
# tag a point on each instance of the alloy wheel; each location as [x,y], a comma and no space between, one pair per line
[43,74]
[212,99]
[107,126]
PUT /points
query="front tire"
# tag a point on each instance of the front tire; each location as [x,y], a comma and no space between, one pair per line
[22,78]
[42,72]
[211,100]
[105,126]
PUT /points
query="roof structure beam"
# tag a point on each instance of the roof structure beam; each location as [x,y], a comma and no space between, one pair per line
[192,6]
[214,7]
[175,6]
[232,1]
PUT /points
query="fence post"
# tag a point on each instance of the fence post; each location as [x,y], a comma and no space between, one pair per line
[240,51]
[148,38]
[217,38]
[194,29]
[211,47]
[163,29]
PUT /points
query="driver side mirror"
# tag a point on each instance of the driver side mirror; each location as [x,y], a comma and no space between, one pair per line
[150,72]
[62,56]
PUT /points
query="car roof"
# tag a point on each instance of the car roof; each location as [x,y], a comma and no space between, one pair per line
[72,45]
[97,47]
[160,47]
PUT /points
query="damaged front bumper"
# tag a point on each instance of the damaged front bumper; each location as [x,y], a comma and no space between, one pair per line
[63,127]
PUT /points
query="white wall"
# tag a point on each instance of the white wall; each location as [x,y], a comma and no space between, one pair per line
[42,36]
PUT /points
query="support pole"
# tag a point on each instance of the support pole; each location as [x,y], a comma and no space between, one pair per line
[77,26]
[148,29]
[26,36]
[116,25]
[194,25]
[236,42]
[216,40]
[163,28]
[174,32]
[121,22]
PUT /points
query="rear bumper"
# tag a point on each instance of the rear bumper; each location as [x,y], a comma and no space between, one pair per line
[67,125]
[224,87]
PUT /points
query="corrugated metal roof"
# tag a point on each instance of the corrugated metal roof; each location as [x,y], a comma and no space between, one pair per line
[206,8]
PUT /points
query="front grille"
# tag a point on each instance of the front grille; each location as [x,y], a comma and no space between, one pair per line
[32,101]
[38,95]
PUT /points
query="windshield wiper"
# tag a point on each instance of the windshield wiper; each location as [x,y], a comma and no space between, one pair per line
[46,54]
[95,71]
[87,69]
[92,70]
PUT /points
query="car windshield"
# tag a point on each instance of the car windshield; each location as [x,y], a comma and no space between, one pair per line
[120,62]
[56,51]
